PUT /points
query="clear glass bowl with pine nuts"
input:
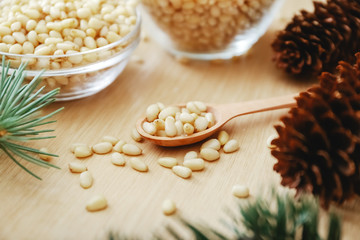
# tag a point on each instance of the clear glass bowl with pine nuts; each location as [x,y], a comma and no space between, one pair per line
[83,45]
[208,29]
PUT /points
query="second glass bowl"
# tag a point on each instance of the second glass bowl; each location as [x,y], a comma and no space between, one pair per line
[208,29]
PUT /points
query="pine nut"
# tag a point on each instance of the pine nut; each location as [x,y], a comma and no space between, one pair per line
[117,159]
[82,151]
[212,143]
[118,146]
[160,105]
[168,111]
[192,108]
[211,119]
[43,156]
[179,127]
[135,135]
[200,105]
[231,146]
[186,117]
[195,164]
[181,171]
[159,124]
[110,139]
[201,124]
[190,155]
[152,112]
[96,203]
[102,148]
[170,128]
[240,191]
[168,207]
[138,165]
[209,154]
[223,137]
[76,167]
[167,162]
[86,179]
[188,129]
[149,128]
[131,149]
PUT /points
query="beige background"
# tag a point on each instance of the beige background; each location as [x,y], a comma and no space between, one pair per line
[54,208]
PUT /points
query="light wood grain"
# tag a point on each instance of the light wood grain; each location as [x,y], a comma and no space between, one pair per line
[54,208]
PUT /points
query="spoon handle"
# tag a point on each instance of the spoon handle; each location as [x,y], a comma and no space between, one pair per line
[237,109]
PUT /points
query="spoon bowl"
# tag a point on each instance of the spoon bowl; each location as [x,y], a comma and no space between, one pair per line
[222,114]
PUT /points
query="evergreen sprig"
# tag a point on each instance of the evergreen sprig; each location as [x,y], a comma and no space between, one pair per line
[280,217]
[19,115]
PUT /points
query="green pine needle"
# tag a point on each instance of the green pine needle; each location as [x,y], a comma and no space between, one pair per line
[19,115]
[280,217]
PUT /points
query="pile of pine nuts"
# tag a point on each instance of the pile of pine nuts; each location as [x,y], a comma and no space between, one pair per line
[175,121]
[193,161]
[205,25]
[66,32]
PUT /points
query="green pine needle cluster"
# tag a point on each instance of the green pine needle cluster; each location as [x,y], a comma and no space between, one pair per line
[19,115]
[280,217]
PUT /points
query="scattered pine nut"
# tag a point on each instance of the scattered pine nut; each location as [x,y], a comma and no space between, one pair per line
[269,140]
[168,207]
[240,191]
[102,148]
[135,135]
[209,154]
[74,145]
[117,159]
[86,179]
[212,143]
[138,165]
[44,156]
[231,146]
[181,171]
[118,146]
[190,155]
[96,203]
[223,137]
[110,139]
[131,149]
[167,162]
[82,151]
[196,164]
[76,167]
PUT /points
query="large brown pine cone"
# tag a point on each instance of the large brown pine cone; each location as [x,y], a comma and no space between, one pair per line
[316,42]
[318,148]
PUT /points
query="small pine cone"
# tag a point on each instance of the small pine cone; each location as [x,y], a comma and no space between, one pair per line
[316,42]
[318,148]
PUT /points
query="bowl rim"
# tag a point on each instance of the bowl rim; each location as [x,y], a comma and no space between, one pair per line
[127,37]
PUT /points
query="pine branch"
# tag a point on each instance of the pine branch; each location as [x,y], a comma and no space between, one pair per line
[20,106]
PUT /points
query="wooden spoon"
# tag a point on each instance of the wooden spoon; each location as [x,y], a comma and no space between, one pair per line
[222,113]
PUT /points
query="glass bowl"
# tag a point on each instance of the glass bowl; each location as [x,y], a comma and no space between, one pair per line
[208,29]
[80,74]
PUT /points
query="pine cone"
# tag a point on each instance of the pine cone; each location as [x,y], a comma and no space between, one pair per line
[318,148]
[316,42]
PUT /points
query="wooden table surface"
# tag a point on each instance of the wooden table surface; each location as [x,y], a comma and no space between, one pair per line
[54,208]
